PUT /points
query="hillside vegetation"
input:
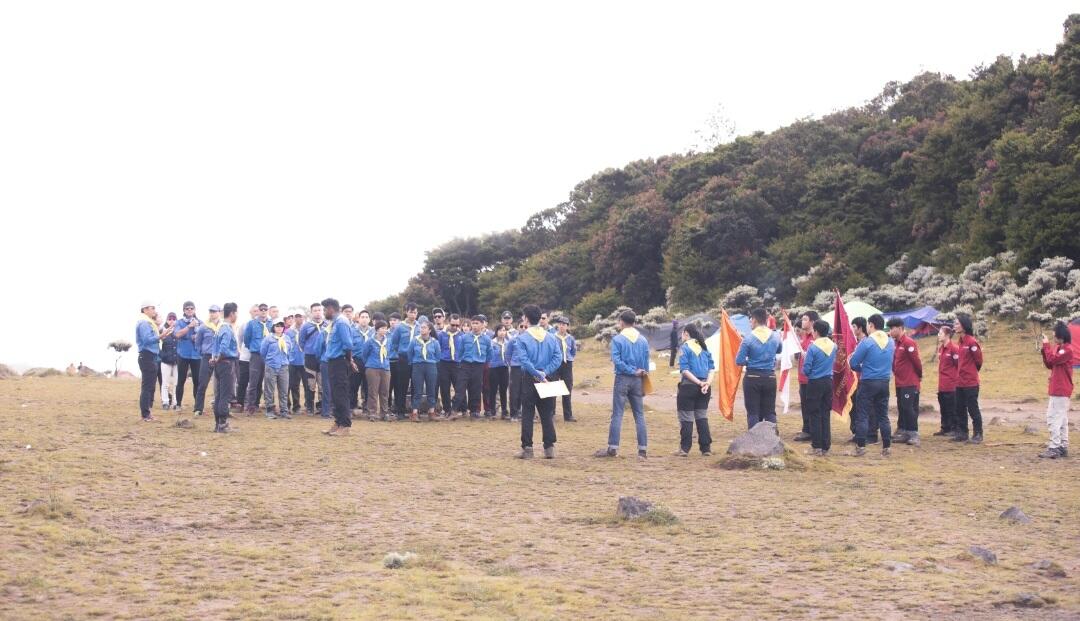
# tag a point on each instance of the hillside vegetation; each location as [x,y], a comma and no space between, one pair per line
[945,171]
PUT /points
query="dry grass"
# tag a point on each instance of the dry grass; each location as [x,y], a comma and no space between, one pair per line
[278,521]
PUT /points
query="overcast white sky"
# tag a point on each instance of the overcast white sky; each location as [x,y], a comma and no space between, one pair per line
[285,151]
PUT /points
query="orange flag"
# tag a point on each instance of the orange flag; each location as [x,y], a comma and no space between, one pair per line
[728,373]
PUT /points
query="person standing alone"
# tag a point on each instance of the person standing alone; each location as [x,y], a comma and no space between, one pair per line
[1058,356]
[148,342]
[630,356]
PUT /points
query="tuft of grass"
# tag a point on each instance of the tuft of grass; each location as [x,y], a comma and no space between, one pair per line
[56,507]
[658,516]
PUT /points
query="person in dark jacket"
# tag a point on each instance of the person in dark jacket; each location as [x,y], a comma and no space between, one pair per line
[675,336]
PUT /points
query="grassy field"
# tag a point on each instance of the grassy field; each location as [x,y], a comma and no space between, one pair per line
[102,516]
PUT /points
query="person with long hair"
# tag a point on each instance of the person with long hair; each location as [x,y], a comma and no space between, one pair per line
[696,370]
[499,370]
[948,355]
[425,372]
[967,384]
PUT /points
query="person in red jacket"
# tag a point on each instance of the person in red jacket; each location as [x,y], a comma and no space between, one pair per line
[907,375]
[806,338]
[1058,357]
[967,383]
[948,373]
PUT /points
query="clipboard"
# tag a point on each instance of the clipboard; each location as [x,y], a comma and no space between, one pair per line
[646,385]
[547,390]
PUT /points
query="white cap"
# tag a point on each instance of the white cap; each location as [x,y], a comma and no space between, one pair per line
[148,302]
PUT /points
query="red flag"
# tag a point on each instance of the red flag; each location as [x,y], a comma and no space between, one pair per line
[844,380]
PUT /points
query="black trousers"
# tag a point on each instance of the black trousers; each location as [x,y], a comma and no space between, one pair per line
[693,409]
[338,370]
[296,378]
[470,382]
[873,413]
[759,396]
[205,373]
[150,369]
[498,382]
[531,403]
[907,404]
[851,413]
[356,379]
[448,378]
[967,404]
[566,374]
[183,365]
[805,411]
[818,405]
[363,381]
[402,375]
[947,404]
[516,383]
[224,387]
[311,372]
[242,381]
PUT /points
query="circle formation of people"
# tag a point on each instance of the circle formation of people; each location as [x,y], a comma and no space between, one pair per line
[342,364]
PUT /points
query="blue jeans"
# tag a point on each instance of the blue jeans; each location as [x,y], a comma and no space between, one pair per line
[324,386]
[872,413]
[627,387]
[425,377]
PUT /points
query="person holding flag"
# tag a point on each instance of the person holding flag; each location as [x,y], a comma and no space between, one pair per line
[818,368]
[845,381]
[758,355]
[873,359]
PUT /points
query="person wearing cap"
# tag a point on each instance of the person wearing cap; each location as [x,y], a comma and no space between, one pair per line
[168,358]
[204,343]
[255,332]
[188,353]
[224,353]
[148,343]
[296,361]
[507,319]
[338,358]
[568,349]
[275,354]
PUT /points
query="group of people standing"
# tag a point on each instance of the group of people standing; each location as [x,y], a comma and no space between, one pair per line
[406,366]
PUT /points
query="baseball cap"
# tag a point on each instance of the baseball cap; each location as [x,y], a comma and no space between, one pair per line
[279,322]
[562,319]
[146,303]
[482,317]
[171,316]
[189,304]
[507,315]
[214,308]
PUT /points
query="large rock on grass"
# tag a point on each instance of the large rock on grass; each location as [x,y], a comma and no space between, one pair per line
[630,507]
[759,442]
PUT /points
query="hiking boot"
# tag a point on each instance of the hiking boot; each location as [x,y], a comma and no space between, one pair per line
[331,430]
[642,454]
[802,436]
[1050,453]
[414,417]
[681,453]
[943,432]
[860,451]
[852,440]
[959,437]
[570,419]
[285,415]
[432,417]
[823,453]
[271,416]
[1063,451]
[885,451]
[606,452]
[913,439]
[706,453]
[342,432]
[976,439]
[149,419]
[197,413]
[526,453]
[814,452]
[549,452]
[900,436]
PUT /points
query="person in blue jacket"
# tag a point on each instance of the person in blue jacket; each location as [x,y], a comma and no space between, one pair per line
[188,354]
[537,353]
[275,353]
[401,340]
[449,364]
[873,360]
[254,332]
[817,366]
[696,369]
[338,358]
[224,354]
[376,357]
[312,335]
[204,343]
[630,356]
[499,371]
[516,377]
[148,343]
[425,372]
[474,353]
[296,361]
[758,354]
[568,347]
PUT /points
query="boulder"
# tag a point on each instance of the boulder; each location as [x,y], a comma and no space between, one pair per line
[761,441]
[980,552]
[1031,430]
[1014,514]
[630,507]
[42,372]
[6,372]
[1028,600]
[898,566]
[185,423]
[1049,568]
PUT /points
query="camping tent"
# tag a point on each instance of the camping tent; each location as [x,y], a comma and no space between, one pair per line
[741,323]
[854,308]
[921,321]
[660,337]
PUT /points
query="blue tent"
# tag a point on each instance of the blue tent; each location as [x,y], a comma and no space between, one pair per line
[921,321]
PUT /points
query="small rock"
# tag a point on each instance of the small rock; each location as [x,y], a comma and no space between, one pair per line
[1014,514]
[185,423]
[202,453]
[585,392]
[630,507]
[1028,600]
[1031,430]
[761,441]
[1049,568]
[987,556]
[396,560]
[995,421]
[898,566]
[587,383]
